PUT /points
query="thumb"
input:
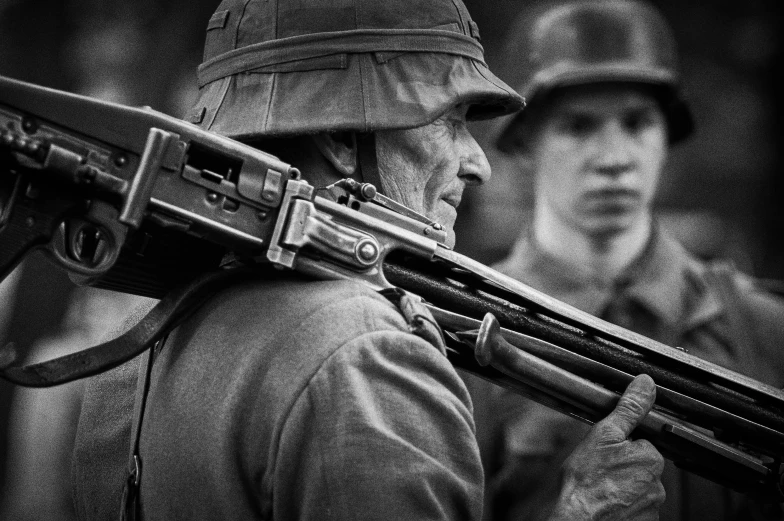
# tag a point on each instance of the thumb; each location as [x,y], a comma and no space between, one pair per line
[633,406]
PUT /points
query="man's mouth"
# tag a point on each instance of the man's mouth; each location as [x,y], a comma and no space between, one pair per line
[452,200]
[612,193]
[612,200]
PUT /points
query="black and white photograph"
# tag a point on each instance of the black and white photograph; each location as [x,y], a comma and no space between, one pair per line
[453,260]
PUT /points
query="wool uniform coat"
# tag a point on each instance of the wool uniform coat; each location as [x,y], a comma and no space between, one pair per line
[710,310]
[288,399]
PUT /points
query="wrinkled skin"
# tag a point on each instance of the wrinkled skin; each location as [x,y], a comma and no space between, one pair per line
[427,168]
[608,477]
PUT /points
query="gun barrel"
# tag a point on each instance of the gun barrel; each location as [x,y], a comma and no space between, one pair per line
[173,202]
[460,291]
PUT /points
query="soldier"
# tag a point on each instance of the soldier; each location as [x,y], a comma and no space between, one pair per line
[288,398]
[603,108]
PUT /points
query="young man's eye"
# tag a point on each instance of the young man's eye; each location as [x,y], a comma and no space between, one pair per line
[578,125]
[638,121]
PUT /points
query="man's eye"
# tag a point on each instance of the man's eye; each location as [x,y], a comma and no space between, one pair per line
[578,125]
[455,124]
[638,121]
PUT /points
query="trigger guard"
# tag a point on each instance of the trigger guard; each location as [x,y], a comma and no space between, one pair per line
[62,248]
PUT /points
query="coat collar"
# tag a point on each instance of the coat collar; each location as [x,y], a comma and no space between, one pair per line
[665,279]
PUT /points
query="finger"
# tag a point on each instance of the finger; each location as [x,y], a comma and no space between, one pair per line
[648,515]
[647,507]
[647,452]
[635,403]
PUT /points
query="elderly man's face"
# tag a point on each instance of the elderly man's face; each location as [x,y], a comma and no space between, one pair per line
[598,152]
[427,168]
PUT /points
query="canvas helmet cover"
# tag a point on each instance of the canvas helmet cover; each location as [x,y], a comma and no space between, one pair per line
[596,41]
[277,68]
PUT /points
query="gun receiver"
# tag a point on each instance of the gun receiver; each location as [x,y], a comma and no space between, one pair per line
[146,201]
[136,201]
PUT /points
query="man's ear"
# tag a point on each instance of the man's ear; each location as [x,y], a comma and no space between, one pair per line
[340,149]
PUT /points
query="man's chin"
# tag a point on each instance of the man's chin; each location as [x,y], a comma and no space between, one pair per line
[450,238]
[445,215]
[450,232]
[607,227]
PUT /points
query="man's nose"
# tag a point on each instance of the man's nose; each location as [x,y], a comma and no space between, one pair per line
[474,166]
[613,149]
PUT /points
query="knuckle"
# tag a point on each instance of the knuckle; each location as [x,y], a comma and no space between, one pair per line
[604,428]
[645,447]
[632,406]
[621,422]
[648,450]
[645,455]
[661,494]
[659,463]
[651,451]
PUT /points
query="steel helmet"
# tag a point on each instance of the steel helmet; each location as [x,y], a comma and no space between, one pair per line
[596,41]
[276,68]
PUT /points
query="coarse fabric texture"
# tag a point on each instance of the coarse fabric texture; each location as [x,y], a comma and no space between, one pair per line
[668,295]
[291,399]
[357,65]
[107,407]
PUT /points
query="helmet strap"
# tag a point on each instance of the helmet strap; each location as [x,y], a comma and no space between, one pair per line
[367,160]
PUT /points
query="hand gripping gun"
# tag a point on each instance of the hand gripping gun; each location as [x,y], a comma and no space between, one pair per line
[135,201]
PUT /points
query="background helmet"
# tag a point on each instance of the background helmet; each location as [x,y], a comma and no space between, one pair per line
[596,41]
[276,68]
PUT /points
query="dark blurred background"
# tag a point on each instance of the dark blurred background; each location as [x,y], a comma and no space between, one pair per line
[722,194]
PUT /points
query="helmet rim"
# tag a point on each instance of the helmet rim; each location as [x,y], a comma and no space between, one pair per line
[313,69]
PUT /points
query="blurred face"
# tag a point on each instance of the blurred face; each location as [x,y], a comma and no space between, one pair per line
[427,168]
[598,152]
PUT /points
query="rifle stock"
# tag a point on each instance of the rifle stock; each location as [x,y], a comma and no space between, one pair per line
[136,201]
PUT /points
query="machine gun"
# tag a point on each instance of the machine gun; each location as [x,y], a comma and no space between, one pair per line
[135,201]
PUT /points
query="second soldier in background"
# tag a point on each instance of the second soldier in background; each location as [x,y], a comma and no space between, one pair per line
[603,109]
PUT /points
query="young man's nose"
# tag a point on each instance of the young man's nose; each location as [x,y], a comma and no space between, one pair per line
[614,149]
